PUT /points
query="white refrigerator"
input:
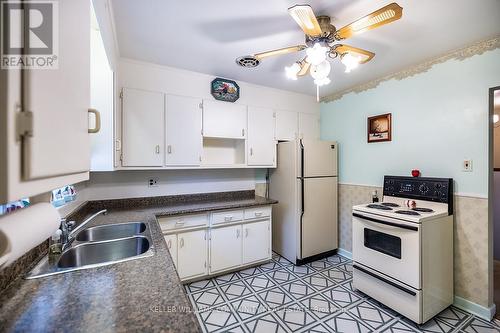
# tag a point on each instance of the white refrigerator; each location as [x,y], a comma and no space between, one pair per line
[305,184]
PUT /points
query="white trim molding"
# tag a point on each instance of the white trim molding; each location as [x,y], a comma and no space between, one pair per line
[486,313]
[344,253]
[460,54]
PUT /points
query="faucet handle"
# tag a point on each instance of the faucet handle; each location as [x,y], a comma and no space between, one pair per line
[70,225]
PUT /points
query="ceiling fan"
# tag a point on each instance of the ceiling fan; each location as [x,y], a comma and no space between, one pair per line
[320,38]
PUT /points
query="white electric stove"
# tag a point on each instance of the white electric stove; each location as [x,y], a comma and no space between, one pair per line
[403,246]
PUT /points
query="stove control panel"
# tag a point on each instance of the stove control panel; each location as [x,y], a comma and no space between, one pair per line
[430,189]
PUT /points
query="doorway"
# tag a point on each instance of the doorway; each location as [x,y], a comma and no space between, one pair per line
[495,115]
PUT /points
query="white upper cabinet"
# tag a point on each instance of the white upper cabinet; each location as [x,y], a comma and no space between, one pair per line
[261,143]
[309,126]
[49,109]
[224,120]
[59,100]
[183,131]
[143,128]
[287,124]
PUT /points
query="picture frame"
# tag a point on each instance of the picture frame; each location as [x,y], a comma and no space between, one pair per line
[225,90]
[379,128]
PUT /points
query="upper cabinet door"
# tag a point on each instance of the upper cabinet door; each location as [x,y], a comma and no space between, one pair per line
[308,126]
[286,125]
[143,119]
[183,137]
[60,99]
[224,120]
[261,144]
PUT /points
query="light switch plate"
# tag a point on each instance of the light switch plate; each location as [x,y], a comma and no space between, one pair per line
[467,166]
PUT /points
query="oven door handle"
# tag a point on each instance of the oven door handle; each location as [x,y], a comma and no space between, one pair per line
[395,285]
[392,224]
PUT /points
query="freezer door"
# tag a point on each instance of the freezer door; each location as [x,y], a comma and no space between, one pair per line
[319,158]
[319,219]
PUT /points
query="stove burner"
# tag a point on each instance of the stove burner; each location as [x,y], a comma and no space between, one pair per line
[406,212]
[389,204]
[422,209]
[377,206]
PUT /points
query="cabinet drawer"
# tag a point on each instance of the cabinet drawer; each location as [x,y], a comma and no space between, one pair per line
[227,216]
[182,221]
[253,213]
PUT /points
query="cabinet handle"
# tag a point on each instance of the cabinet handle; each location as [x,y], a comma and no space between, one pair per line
[251,151]
[243,132]
[169,244]
[181,242]
[228,218]
[169,149]
[97,115]
[157,148]
[246,232]
[257,214]
[237,233]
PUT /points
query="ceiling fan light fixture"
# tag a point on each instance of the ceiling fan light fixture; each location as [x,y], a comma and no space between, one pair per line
[350,62]
[292,71]
[316,54]
[322,82]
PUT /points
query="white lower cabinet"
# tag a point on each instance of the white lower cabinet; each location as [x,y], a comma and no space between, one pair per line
[192,253]
[225,248]
[232,239]
[256,241]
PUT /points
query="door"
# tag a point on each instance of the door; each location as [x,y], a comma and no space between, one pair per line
[224,120]
[183,131]
[286,125]
[225,248]
[261,144]
[60,100]
[319,219]
[171,241]
[390,246]
[320,158]
[256,241]
[308,126]
[192,254]
[143,119]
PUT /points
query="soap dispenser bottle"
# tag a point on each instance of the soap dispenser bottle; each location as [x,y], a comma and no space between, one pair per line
[374,196]
[55,243]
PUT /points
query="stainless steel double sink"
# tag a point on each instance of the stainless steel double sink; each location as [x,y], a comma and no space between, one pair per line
[99,246]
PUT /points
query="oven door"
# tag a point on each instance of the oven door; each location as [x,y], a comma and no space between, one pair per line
[389,246]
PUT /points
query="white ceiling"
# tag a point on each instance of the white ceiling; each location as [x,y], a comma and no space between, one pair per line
[207,36]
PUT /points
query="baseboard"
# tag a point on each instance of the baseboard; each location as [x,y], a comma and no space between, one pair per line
[344,253]
[476,309]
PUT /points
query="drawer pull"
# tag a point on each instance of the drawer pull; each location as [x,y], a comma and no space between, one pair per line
[228,218]
[258,214]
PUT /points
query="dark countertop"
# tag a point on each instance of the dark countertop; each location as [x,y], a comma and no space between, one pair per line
[138,295]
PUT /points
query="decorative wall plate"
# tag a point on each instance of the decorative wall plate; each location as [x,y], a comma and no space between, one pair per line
[225,90]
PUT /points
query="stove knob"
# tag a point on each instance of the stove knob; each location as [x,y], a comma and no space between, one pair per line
[423,188]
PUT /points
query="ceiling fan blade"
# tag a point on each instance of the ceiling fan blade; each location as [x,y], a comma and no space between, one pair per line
[305,18]
[276,52]
[304,67]
[384,15]
[364,55]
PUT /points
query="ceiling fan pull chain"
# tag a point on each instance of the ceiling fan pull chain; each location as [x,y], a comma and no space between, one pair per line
[317,93]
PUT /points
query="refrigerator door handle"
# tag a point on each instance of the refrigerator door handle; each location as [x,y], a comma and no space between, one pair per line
[302,199]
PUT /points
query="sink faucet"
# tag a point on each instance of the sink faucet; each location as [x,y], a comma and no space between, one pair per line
[68,233]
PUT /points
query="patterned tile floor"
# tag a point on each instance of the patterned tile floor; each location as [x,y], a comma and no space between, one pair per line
[317,297]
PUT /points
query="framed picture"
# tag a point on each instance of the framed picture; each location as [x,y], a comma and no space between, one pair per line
[225,90]
[379,128]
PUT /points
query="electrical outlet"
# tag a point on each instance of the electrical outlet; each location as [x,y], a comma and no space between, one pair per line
[153,182]
[467,166]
